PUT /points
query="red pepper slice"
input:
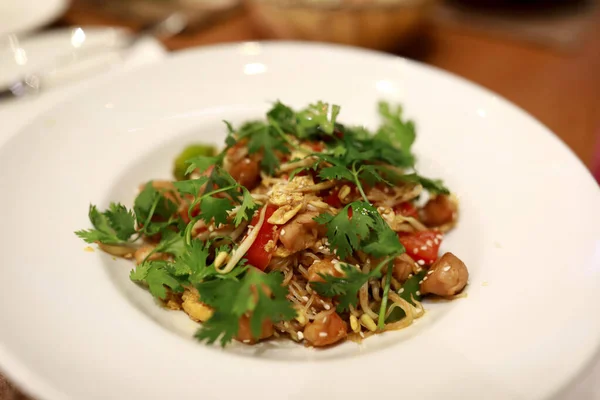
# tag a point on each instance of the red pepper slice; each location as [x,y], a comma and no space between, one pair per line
[257,255]
[423,246]
[333,198]
[407,209]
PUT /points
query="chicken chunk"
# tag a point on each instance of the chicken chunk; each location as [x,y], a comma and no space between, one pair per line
[244,168]
[326,329]
[446,277]
[300,233]
[246,172]
[324,267]
[438,211]
[403,267]
[244,334]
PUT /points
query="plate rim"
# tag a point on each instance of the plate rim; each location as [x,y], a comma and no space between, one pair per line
[32,384]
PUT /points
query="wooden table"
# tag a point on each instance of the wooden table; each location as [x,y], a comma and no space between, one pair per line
[561,89]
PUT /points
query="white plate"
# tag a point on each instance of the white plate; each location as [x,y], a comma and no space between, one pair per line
[19,16]
[74,327]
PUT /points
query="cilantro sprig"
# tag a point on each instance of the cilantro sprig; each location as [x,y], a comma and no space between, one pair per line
[232,299]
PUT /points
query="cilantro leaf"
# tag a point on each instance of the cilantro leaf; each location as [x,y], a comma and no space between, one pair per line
[156,275]
[121,220]
[284,116]
[344,289]
[221,325]
[345,232]
[336,172]
[230,139]
[318,115]
[157,279]
[151,203]
[435,186]
[191,186]
[408,292]
[172,243]
[113,226]
[201,163]
[215,208]
[383,241]
[267,140]
[394,130]
[247,208]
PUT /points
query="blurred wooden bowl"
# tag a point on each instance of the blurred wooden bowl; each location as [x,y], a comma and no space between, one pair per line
[375,24]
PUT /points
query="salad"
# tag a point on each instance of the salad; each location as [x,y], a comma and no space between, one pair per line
[301,227]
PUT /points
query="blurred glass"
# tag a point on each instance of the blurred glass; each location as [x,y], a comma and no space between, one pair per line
[375,24]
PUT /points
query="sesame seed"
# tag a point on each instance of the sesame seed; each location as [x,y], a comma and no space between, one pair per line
[446,268]
[423,247]
[300,335]
[421,281]
[305,298]
[424,279]
[322,334]
[415,250]
[439,236]
[429,243]
[417,265]
[429,272]
[401,291]
[321,247]
[246,340]
[324,319]
[282,232]
[436,241]
[418,293]
[327,307]
[362,335]
[211,228]
[247,161]
[421,262]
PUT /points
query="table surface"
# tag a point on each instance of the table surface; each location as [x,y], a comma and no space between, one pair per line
[561,88]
